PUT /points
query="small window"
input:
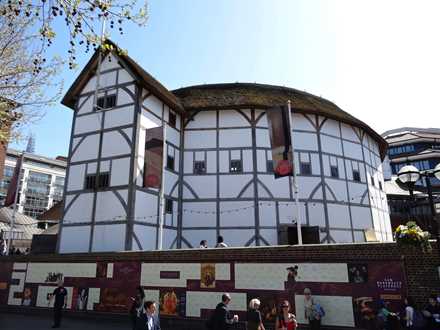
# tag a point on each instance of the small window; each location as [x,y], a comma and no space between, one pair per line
[104,180]
[269,166]
[235,166]
[170,162]
[305,169]
[356,176]
[106,102]
[334,172]
[169,206]
[380,185]
[91,181]
[172,120]
[372,181]
[199,167]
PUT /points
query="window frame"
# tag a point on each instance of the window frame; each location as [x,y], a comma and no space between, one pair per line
[303,166]
[332,174]
[236,169]
[168,206]
[357,177]
[197,170]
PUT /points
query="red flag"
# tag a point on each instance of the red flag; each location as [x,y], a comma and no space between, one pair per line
[153,157]
[280,139]
[12,189]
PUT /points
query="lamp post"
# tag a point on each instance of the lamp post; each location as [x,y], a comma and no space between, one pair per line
[409,175]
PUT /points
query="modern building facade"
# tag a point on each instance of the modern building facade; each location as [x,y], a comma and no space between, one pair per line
[218,176]
[41,185]
[419,147]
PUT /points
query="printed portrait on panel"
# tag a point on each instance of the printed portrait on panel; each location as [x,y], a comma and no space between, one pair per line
[81,299]
[357,273]
[101,270]
[169,303]
[364,312]
[53,277]
[27,297]
[207,276]
[292,274]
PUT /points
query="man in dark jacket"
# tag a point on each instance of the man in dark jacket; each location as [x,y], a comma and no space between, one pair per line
[222,319]
[148,320]
[60,296]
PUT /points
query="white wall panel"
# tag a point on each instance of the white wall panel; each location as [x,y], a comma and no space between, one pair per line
[109,62]
[188,164]
[305,141]
[76,177]
[278,187]
[88,123]
[352,150]
[307,185]
[148,120]
[75,239]
[146,236]
[204,119]
[120,172]
[109,207]
[341,236]
[262,138]
[196,301]
[268,216]
[203,185]
[118,117]
[173,135]
[193,219]
[339,189]
[81,209]
[153,104]
[316,214]
[85,104]
[200,139]
[114,144]
[170,181]
[349,133]
[108,238]
[338,216]
[211,162]
[169,236]
[88,149]
[124,77]
[302,122]
[288,213]
[146,206]
[331,145]
[331,127]
[361,217]
[232,118]
[231,185]
[248,165]
[231,217]
[124,97]
[240,137]
[237,237]
[195,236]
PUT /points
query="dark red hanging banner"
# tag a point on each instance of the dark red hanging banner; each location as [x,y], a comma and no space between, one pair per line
[279,131]
[153,157]
[12,189]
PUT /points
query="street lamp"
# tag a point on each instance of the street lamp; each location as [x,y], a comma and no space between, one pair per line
[409,175]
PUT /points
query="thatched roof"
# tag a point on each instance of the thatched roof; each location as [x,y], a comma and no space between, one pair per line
[249,95]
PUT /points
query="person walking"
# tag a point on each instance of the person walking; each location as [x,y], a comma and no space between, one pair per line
[137,306]
[408,313]
[432,313]
[221,318]
[285,320]
[148,320]
[312,311]
[254,321]
[60,296]
[220,242]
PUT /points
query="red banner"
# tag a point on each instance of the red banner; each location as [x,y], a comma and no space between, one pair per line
[280,140]
[153,157]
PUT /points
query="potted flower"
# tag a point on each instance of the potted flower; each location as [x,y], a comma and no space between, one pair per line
[412,235]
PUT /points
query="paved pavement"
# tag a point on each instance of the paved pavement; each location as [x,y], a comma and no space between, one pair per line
[44,322]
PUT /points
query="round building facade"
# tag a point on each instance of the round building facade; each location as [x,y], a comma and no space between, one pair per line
[228,185]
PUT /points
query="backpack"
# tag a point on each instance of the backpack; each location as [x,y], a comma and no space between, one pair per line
[419,320]
[320,310]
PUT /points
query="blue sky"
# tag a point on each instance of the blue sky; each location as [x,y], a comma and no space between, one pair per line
[377,60]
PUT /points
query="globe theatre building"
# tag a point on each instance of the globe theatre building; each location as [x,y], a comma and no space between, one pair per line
[218,176]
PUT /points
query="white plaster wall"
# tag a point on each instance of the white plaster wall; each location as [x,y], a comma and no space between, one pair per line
[361,217]
[262,138]
[203,185]
[237,237]
[85,104]
[120,172]
[114,144]
[81,209]
[316,214]
[88,123]
[170,180]
[339,189]
[203,119]
[108,238]
[278,187]
[348,132]
[341,236]
[267,213]
[146,236]
[193,219]
[211,159]
[75,239]
[231,185]
[288,212]
[200,139]
[109,207]
[338,215]
[331,127]
[231,217]
[303,122]
[270,235]
[124,77]
[148,120]
[232,118]
[331,145]
[124,97]
[169,236]
[307,141]
[154,105]
[88,149]
[146,207]
[173,135]
[240,137]
[118,117]
[76,177]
